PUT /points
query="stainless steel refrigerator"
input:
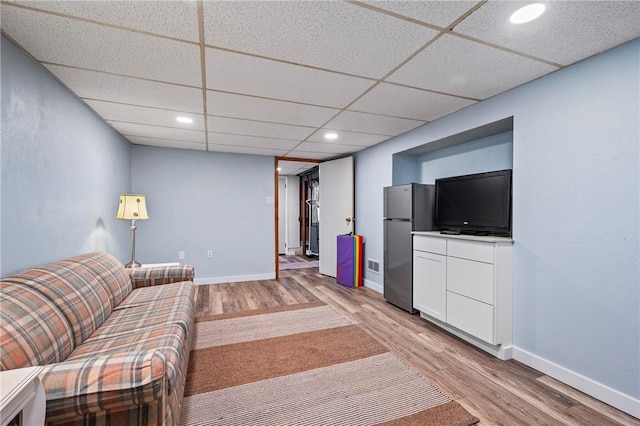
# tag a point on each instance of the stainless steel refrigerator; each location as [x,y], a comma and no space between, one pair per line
[407,208]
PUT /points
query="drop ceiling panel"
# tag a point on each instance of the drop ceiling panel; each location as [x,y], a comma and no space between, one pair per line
[475,71]
[147,16]
[311,155]
[244,74]
[370,123]
[252,108]
[130,129]
[145,115]
[58,40]
[126,90]
[251,141]
[399,101]
[247,150]
[333,148]
[323,34]
[349,138]
[257,128]
[439,13]
[166,143]
[567,31]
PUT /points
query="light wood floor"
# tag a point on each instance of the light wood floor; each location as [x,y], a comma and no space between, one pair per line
[497,392]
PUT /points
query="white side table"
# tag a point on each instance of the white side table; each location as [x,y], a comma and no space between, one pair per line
[21,391]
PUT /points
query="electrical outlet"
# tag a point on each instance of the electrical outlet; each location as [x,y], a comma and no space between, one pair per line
[180,255]
[209,254]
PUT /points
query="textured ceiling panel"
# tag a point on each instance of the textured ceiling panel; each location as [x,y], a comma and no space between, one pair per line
[349,138]
[257,128]
[247,150]
[145,115]
[166,143]
[130,129]
[250,141]
[369,123]
[272,79]
[476,71]
[58,40]
[327,34]
[333,148]
[147,16]
[438,13]
[278,74]
[567,31]
[113,88]
[398,101]
[242,106]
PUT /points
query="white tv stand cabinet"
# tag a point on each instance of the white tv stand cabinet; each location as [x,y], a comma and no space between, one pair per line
[462,283]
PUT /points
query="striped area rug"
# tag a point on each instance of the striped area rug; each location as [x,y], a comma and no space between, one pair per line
[304,365]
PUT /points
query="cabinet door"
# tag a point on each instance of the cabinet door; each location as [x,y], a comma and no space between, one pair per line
[430,284]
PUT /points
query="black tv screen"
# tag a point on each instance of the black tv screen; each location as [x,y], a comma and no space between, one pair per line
[474,204]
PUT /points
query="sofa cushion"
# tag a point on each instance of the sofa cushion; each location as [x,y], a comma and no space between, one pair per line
[108,272]
[150,318]
[74,290]
[33,331]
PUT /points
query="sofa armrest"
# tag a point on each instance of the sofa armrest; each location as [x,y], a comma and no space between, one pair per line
[93,384]
[157,275]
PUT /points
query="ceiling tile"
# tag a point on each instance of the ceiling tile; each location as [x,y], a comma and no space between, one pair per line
[567,31]
[327,34]
[166,143]
[248,150]
[311,155]
[242,106]
[328,148]
[145,115]
[148,16]
[475,71]
[257,128]
[250,141]
[398,101]
[349,138]
[107,87]
[129,129]
[439,13]
[249,75]
[371,123]
[76,43]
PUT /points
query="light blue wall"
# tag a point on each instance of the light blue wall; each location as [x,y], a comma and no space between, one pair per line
[482,155]
[62,171]
[199,201]
[576,140]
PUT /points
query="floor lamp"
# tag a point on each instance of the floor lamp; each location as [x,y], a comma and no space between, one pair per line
[132,207]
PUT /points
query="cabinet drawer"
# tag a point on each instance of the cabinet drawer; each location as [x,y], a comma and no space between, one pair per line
[473,250]
[471,316]
[471,279]
[430,244]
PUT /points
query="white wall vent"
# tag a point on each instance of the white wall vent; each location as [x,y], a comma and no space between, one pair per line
[373,266]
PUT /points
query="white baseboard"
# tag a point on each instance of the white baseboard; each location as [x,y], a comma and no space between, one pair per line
[234,279]
[374,286]
[589,386]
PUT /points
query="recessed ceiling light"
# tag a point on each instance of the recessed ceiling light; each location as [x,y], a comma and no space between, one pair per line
[331,136]
[527,13]
[186,120]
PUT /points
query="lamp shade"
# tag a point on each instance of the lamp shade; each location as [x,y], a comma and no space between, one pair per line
[132,207]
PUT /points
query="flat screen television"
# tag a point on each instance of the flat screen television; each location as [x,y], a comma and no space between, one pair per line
[478,204]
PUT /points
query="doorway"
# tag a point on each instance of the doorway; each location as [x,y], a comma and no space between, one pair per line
[290,212]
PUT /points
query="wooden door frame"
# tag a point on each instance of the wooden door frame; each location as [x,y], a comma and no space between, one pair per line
[276,175]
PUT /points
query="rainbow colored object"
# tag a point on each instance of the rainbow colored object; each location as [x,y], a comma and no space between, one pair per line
[350,260]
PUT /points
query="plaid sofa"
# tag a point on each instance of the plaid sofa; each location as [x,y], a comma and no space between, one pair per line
[114,342]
